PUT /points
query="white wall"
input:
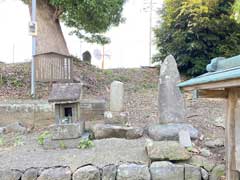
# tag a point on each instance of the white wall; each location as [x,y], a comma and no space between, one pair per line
[129,45]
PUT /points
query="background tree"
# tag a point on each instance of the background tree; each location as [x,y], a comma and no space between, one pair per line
[89,19]
[195,31]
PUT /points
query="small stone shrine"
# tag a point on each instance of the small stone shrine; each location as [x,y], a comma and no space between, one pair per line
[66,98]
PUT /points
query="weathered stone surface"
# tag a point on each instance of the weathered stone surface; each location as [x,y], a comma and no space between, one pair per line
[16,128]
[30,174]
[184,138]
[109,172]
[66,131]
[10,175]
[171,131]
[87,173]
[92,109]
[65,92]
[134,133]
[200,161]
[217,172]
[164,170]
[215,143]
[204,174]
[133,172]
[166,150]
[58,173]
[170,99]
[115,117]
[192,172]
[116,96]
[205,152]
[109,131]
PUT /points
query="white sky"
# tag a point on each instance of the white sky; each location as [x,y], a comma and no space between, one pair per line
[129,45]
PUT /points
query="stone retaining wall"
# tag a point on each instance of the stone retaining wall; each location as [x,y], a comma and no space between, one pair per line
[159,170]
[41,114]
[27,112]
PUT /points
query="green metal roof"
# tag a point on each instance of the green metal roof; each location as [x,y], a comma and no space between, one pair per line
[219,69]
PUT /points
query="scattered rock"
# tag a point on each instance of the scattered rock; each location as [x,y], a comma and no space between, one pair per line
[133,172]
[2,130]
[30,174]
[110,131]
[204,174]
[215,143]
[58,173]
[201,137]
[203,162]
[192,172]
[170,131]
[16,128]
[164,170]
[217,172]
[184,138]
[10,175]
[219,122]
[109,172]
[66,131]
[170,99]
[167,150]
[205,152]
[87,173]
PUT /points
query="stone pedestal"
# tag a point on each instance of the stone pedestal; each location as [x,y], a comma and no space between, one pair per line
[66,131]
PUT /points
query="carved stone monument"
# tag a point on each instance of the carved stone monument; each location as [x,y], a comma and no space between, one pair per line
[116,96]
[170,99]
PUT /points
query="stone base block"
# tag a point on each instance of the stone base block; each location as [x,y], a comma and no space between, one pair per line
[102,131]
[66,131]
[65,143]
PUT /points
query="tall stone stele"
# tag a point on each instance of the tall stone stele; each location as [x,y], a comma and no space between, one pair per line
[170,99]
[116,96]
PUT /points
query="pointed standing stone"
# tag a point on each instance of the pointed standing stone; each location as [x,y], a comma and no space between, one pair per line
[170,99]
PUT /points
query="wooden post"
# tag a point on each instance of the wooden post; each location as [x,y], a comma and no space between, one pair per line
[230,142]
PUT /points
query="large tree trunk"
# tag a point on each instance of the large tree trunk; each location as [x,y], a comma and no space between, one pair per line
[49,33]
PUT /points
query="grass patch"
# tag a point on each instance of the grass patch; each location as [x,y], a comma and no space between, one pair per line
[43,136]
[62,145]
[18,141]
[85,144]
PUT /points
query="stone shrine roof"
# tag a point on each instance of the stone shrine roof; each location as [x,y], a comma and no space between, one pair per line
[65,92]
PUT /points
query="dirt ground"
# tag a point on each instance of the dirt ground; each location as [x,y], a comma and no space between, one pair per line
[141,105]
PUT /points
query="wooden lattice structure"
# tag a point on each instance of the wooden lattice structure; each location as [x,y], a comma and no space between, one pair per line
[53,67]
[223,81]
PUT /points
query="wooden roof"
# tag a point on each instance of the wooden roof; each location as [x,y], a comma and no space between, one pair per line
[65,92]
[222,73]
